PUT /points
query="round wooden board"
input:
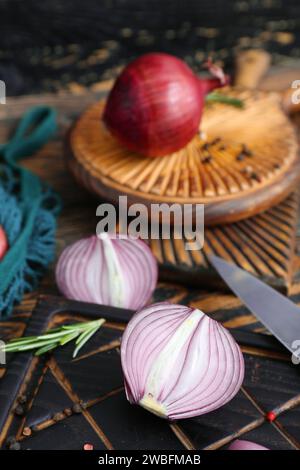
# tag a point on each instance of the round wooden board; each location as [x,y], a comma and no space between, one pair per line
[243,161]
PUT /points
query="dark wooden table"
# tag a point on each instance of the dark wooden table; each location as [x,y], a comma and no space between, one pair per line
[271,382]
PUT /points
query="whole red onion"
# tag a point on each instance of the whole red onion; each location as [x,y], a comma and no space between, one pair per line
[156,104]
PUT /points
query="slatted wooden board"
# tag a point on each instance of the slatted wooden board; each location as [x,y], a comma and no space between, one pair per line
[264,245]
[242,162]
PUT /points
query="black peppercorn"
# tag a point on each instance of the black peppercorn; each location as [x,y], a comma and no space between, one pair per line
[215,141]
[255,176]
[240,157]
[26,431]
[207,159]
[205,146]
[247,151]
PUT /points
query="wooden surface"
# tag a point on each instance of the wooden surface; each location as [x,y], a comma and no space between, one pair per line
[242,162]
[264,245]
[270,377]
[78,216]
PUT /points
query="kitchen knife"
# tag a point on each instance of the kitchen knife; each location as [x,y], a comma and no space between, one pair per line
[276,312]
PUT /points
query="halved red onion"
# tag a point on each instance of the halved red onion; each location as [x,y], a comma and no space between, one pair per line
[178,362]
[245,445]
[121,272]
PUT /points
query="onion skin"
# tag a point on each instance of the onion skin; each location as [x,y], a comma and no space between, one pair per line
[118,272]
[178,362]
[245,445]
[156,104]
[3,243]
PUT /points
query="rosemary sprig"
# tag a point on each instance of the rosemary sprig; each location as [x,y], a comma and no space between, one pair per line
[81,332]
[216,97]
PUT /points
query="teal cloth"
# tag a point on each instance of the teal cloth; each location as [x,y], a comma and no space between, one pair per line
[28,209]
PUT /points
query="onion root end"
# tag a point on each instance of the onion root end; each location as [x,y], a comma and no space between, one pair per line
[150,404]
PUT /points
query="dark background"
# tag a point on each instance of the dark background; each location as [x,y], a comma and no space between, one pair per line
[72,44]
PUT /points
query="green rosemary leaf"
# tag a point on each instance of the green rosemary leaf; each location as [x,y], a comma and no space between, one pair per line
[79,326]
[68,338]
[51,336]
[25,339]
[55,337]
[83,341]
[92,326]
[27,347]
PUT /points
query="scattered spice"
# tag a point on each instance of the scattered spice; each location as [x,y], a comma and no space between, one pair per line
[222,148]
[27,431]
[207,159]
[215,141]
[244,153]
[77,408]
[15,446]
[240,157]
[88,446]
[19,410]
[276,166]
[248,170]
[205,146]
[255,176]
[247,151]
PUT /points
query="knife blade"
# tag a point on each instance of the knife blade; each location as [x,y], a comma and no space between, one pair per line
[275,311]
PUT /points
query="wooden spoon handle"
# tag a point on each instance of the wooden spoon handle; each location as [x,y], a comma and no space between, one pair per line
[251,66]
